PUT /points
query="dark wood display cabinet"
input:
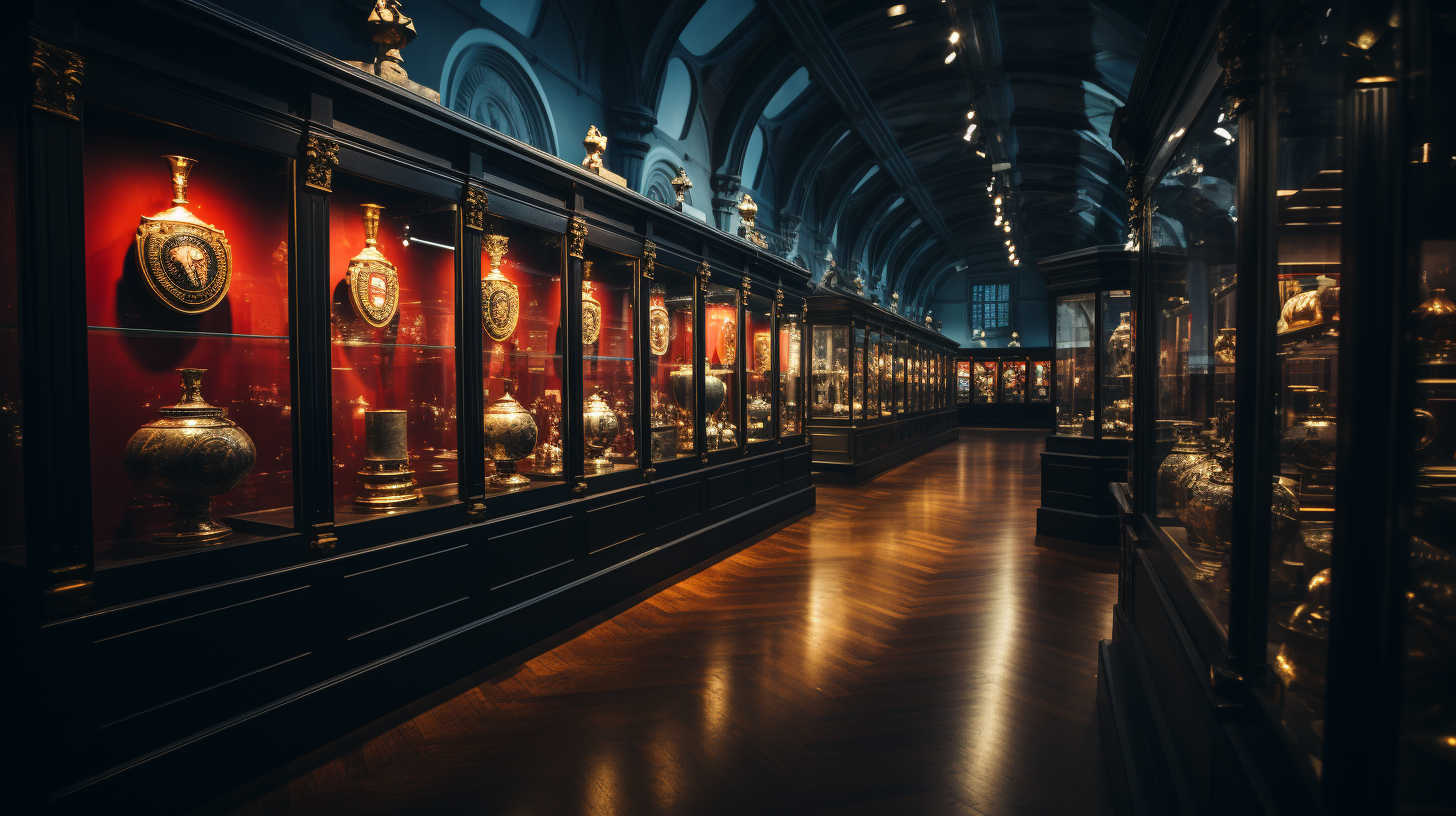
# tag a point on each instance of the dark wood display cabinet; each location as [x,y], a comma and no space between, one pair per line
[1284,640]
[319,396]
[1009,387]
[1091,301]
[879,388]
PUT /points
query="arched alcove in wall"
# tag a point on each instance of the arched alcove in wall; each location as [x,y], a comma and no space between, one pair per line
[487,79]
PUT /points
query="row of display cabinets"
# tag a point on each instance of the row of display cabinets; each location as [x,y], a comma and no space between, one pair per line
[596,355]
[880,388]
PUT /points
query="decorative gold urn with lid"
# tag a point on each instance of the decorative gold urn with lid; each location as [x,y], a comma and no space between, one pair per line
[190,454]
[187,263]
[510,436]
[599,428]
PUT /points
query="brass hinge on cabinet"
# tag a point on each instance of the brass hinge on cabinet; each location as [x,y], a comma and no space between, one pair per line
[648,473]
[579,488]
[476,511]
[70,592]
[323,537]
[57,74]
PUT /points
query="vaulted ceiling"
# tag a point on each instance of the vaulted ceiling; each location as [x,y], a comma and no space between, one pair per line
[870,151]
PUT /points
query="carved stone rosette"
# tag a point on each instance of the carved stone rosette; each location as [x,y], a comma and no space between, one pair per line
[576,237]
[57,75]
[473,208]
[320,157]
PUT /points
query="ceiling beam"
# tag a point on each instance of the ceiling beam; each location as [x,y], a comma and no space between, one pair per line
[832,71]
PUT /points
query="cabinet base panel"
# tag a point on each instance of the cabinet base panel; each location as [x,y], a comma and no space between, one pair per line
[848,474]
[1084,528]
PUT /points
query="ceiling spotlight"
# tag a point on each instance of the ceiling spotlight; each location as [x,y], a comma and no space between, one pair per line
[955,37]
[970,114]
[998,201]
[1006,228]
[970,131]
[981,153]
[1008,242]
[949,58]
[897,10]
[1016,262]
[998,220]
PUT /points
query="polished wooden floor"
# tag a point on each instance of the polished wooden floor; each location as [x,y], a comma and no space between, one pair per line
[911,648]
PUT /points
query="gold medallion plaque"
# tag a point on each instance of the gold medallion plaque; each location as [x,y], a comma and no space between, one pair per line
[373,280]
[500,300]
[658,326]
[591,310]
[762,357]
[187,264]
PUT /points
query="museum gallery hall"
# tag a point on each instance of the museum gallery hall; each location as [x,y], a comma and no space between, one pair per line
[728,407]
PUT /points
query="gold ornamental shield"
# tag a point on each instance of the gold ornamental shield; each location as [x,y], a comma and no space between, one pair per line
[591,321]
[761,353]
[187,263]
[373,280]
[500,306]
[658,329]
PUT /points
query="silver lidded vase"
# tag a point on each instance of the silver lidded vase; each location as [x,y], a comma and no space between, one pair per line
[187,456]
[510,436]
[599,428]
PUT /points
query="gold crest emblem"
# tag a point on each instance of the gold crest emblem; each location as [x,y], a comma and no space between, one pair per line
[659,329]
[591,310]
[188,264]
[373,280]
[500,300]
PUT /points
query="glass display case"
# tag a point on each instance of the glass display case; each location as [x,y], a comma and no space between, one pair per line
[830,366]
[873,376]
[887,376]
[985,373]
[1076,369]
[759,311]
[858,387]
[1013,381]
[187,339]
[608,362]
[791,370]
[671,302]
[721,311]
[1094,364]
[1039,388]
[963,381]
[522,366]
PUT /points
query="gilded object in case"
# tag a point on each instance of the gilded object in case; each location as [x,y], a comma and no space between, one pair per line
[762,352]
[600,428]
[187,456]
[373,280]
[187,263]
[510,436]
[659,332]
[591,309]
[388,481]
[500,300]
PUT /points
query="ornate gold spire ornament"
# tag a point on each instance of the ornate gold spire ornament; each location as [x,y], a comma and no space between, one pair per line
[500,300]
[747,229]
[187,263]
[591,309]
[596,144]
[392,32]
[373,280]
[680,185]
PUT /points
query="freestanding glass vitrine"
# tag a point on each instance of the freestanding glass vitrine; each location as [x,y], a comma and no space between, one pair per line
[877,386]
[1007,387]
[1091,303]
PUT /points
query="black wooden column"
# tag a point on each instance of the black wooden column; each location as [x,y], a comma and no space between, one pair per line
[309,331]
[469,351]
[572,383]
[642,353]
[51,258]
[700,361]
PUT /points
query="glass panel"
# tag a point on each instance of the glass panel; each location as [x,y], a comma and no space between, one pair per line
[985,372]
[963,381]
[1075,365]
[859,373]
[1428,707]
[721,313]
[791,377]
[1013,381]
[760,368]
[12,501]
[215,302]
[393,349]
[1193,249]
[901,350]
[521,325]
[1041,381]
[609,383]
[1116,364]
[1308,187]
[670,364]
[831,371]
[887,375]
[872,381]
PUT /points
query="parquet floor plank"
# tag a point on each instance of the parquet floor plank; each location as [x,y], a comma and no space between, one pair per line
[911,648]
